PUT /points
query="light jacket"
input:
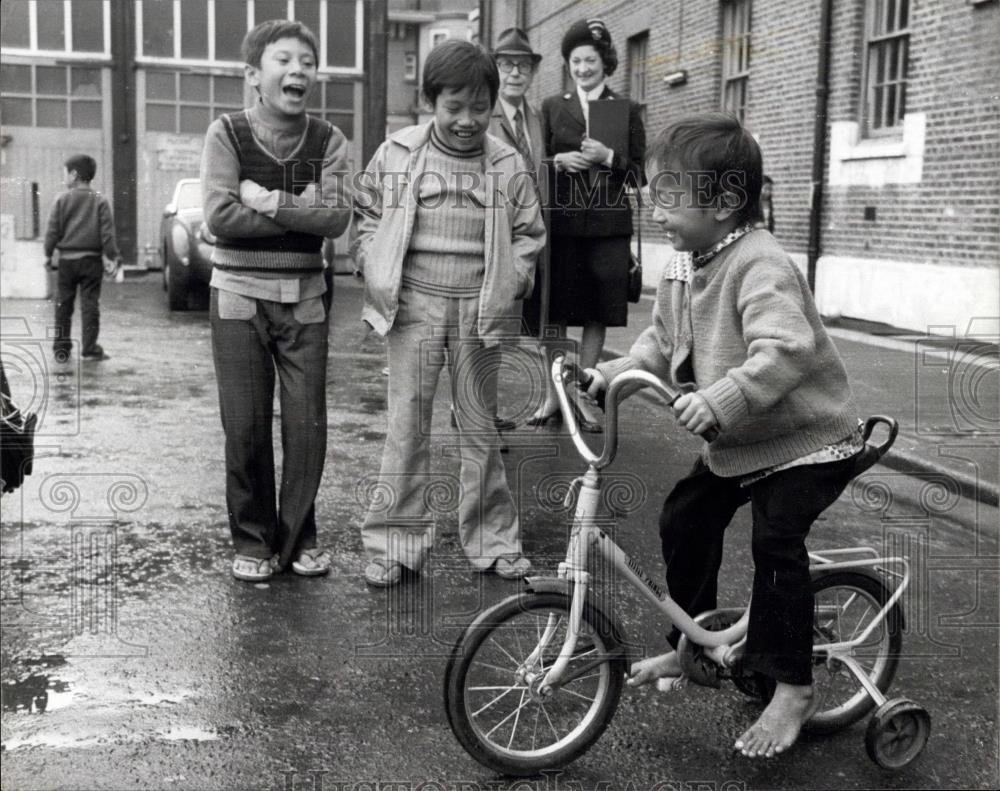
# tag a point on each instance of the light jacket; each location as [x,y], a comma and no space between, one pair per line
[385,210]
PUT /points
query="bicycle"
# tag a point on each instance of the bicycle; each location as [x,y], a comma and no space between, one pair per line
[533,681]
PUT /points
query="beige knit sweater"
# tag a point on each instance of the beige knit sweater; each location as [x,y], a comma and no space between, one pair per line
[748,332]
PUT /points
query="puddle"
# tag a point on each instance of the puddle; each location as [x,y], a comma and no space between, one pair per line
[188,733]
[35,694]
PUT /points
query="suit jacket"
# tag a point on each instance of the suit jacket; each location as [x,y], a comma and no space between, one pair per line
[500,127]
[592,203]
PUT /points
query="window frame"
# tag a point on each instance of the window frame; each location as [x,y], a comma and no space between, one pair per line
[637,54]
[67,53]
[736,49]
[410,66]
[69,100]
[356,70]
[872,41]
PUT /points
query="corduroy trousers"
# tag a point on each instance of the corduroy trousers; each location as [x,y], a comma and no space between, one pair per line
[408,498]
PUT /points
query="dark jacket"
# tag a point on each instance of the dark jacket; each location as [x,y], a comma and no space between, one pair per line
[592,203]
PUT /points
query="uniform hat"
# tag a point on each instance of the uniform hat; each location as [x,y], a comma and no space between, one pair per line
[586,31]
[514,41]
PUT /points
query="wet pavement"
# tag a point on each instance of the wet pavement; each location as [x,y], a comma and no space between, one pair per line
[131,658]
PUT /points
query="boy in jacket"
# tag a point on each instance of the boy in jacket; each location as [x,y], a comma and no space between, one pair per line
[447,230]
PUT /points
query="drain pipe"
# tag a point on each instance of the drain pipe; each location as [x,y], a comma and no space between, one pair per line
[819,143]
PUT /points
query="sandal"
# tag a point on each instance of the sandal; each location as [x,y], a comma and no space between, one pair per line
[312,563]
[251,569]
[512,567]
[383,573]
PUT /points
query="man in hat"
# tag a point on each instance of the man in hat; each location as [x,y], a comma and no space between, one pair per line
[515,121]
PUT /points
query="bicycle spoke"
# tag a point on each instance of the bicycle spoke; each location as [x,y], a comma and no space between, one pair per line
[513,729]
[505,651]
[493,702]
[514,712]
[481,663]
[576,694]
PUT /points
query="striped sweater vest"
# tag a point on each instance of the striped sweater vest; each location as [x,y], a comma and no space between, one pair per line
[292,252]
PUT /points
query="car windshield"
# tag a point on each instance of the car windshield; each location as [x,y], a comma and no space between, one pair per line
[188,195]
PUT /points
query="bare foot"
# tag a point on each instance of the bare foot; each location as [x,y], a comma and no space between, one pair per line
[779,724]
[653,668]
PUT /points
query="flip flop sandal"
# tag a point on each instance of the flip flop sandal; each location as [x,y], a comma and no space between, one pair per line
[512,567]
[312,563]
[251,569]
[383,573]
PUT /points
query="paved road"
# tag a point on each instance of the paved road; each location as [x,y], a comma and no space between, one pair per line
[131,659]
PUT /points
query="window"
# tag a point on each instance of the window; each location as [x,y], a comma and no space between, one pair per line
[735,56]
[55,26]
[334,102]
[887,39]
[638,48]
[200,30]
[188,103]
[63,97]
[437,36]
[410,66]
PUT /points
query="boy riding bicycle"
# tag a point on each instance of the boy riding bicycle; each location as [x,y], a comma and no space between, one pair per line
[735,328]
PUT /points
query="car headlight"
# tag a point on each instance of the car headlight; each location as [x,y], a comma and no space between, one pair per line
[181,243]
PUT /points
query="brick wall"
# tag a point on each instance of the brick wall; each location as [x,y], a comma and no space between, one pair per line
[949,217]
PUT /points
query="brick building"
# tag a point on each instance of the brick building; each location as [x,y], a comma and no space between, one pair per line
[908,175]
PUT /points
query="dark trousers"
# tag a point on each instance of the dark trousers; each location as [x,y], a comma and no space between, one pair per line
[246,353]
[87,274]
[784,506]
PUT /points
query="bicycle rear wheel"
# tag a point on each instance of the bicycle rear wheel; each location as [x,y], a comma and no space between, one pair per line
[491,691]
[846,602]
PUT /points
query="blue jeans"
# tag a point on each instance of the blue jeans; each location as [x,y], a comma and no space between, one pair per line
[430,331]
[250,339]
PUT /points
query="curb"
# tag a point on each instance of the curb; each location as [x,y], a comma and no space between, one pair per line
[904,461]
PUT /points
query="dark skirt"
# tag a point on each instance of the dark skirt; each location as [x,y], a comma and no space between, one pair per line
[588,283]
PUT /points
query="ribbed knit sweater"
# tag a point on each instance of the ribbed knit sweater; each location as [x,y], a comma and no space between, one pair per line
[447,252]
[748,329]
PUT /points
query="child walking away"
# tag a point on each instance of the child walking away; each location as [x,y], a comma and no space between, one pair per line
[82,230]
[448,229]
[735,328]
[273,180]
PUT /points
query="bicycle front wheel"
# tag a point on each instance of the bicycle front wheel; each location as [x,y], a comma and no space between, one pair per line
[845,604]
[495,707]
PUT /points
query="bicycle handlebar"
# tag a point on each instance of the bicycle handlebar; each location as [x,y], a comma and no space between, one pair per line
[624,385]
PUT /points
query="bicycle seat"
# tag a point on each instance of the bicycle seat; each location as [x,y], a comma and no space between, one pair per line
[872,452]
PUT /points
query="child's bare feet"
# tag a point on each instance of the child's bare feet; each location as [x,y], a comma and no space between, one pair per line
[779,724]
[652,668]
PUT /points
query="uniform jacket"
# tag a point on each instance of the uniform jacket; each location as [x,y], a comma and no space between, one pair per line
[385,209]
[606,212]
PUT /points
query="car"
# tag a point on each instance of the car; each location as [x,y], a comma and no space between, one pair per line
[186,247]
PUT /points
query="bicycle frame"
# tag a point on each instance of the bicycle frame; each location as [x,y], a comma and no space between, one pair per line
[586,537]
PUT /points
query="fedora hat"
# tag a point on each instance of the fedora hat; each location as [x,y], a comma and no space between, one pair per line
[514,41]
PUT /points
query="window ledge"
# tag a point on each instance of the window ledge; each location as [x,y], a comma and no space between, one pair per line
[876,149]
[875,162]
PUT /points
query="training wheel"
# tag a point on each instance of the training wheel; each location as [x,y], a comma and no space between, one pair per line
[897,733]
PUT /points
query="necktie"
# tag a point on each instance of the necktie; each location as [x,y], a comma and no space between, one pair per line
[521,139]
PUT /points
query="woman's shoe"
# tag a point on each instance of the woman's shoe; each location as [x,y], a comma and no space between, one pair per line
[586,424]
[555,418]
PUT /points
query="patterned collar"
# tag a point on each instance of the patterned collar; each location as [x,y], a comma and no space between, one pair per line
[701,259]
[682,265]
